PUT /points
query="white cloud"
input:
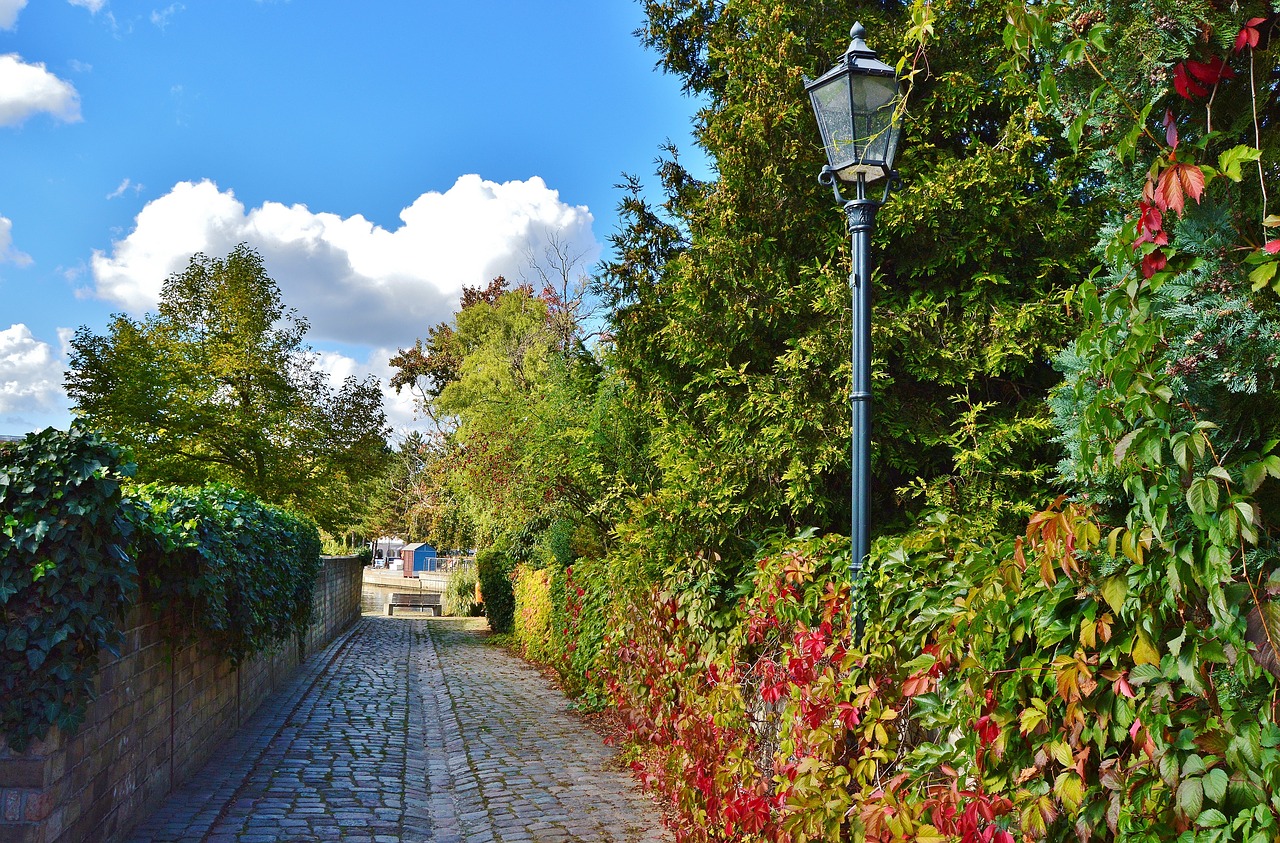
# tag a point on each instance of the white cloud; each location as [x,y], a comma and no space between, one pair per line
[9,12]
[8,254]
[161,17]
[357,282]
[30,374]
[125,185]
[92,5]
[399,408]
[26,89]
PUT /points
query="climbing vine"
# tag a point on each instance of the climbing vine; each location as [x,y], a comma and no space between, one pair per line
[79,548]
[237,572]
[65,576]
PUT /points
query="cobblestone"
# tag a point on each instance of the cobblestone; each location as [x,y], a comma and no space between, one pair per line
[410,731]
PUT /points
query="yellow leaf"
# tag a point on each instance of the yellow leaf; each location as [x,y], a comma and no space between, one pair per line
[1144,652]
[1088,634]
[1070,790]
[929,834]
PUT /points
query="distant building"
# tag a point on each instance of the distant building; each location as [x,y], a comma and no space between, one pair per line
[419,557]
[386,550]
[6,438]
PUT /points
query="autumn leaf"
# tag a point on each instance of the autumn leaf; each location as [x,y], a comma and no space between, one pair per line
[1272,247]
[1153,263]
[1248,36]
[1176,183]
[1186,86]
[1210,72]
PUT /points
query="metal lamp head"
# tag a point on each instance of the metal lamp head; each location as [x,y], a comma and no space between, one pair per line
[856,103]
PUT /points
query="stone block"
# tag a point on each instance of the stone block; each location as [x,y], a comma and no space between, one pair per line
[11,805]
[37,806]
[22,772]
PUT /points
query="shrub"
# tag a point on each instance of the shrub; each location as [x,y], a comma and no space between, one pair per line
[494,570]
[460,592]
[533,626]
[241,572]
[65,577]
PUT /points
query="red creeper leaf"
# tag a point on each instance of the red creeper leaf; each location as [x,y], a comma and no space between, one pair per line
[1178,182]
[1210,72]
[1272,247]
[1153,263]
[1248,36]
[1170,130]
[1187,87]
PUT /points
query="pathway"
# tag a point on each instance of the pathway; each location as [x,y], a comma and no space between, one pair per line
[409,731]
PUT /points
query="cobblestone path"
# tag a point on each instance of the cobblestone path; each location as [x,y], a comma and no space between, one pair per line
[413,731]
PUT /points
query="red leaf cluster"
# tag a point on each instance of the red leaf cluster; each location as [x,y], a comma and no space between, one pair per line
[1191,77]
[1249,35]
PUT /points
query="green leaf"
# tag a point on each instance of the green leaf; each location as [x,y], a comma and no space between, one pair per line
[1073,53]
[1262,275]
[1202,496]
[1191,797]
[1229,162]
[1114,590]
[1075,131]
[1212,818]
[1215,784]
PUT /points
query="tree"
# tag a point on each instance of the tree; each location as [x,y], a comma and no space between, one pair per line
[218,384]
[731,299]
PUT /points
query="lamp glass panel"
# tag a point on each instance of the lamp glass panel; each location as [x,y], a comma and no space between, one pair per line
[876,137]
[835,118]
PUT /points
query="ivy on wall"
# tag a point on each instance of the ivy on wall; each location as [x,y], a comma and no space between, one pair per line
[239,572]
[78,549]
[65,575]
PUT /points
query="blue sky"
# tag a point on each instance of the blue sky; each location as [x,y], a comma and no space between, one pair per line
[379,154]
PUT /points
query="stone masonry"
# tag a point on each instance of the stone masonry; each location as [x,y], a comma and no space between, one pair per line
[406,731]
[159,713]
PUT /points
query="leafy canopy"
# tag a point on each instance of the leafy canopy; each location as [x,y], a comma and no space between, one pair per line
[219,385]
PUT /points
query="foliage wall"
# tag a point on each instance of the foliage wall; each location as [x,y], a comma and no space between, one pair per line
[78,549]
[238,572]
[1077,295]
[66,576]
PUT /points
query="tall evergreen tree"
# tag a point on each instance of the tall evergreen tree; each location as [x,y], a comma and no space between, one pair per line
[731,300]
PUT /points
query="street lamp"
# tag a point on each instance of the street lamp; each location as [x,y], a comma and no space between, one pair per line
[858,106]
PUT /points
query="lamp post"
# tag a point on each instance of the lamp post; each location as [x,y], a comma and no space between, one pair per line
[857,106]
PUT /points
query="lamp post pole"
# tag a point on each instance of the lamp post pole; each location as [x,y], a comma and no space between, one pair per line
[861,212]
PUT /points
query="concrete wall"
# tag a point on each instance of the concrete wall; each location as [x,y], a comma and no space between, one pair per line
[157,716]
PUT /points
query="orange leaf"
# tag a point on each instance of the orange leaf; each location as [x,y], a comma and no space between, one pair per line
[1192,179]
[1169,192]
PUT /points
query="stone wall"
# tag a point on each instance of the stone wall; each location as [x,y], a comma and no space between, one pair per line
[158,714]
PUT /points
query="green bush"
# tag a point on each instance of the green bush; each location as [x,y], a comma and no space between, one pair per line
[494,570]
[460,593]
[241,571]
[65,576]
[534,616]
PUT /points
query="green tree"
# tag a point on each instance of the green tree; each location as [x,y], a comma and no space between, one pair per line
[218,384]
[731,301]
